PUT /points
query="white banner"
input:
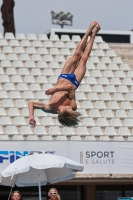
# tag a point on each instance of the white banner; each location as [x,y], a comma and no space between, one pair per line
[97,157]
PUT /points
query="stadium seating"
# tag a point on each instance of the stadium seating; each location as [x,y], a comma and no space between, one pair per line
[29,66]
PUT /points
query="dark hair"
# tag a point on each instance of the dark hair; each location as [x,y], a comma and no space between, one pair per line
[16,192]
[69,118]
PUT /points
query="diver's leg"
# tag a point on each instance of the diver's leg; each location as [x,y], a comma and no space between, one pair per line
[71,64]
[81,68]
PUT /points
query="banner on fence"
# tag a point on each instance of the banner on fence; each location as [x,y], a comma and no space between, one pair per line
[97,157]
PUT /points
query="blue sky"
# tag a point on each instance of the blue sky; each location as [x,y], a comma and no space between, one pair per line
[32,16]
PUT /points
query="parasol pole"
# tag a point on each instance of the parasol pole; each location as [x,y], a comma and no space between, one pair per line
[13,185]
[39,185]
[10,192]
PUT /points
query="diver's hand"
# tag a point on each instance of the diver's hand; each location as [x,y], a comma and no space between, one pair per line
[32,121]
[50,91]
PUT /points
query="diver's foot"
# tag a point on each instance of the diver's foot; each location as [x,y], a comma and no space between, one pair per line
[96,29]
[92,26]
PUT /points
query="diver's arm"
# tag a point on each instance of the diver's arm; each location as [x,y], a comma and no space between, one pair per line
[38,105]
[57,89]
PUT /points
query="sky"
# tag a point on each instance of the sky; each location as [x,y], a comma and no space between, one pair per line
[33,16]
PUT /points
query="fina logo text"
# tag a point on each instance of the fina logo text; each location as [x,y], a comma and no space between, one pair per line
[11,156]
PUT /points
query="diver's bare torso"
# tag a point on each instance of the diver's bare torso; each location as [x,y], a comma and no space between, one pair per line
[61,97]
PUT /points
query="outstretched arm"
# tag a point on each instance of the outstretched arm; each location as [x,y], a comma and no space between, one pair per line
[32,106]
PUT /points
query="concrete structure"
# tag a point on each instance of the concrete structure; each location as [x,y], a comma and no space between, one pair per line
[108,36]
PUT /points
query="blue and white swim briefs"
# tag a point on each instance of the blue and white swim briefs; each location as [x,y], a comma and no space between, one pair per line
[71,78]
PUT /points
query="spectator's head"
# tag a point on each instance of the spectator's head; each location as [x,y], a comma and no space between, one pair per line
[53,194]
[16,195]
